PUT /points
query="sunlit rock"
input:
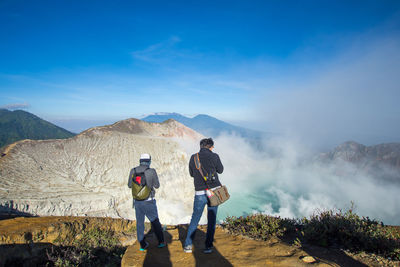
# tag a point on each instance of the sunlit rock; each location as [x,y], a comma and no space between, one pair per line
[87,175]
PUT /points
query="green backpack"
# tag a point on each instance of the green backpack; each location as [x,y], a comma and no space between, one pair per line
[140,191]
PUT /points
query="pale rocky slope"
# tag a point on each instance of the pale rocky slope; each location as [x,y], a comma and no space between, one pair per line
[87,174]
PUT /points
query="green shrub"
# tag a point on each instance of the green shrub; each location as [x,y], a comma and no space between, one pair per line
[352,232]
[96,247]
[325,228]
[95,238]
[256,226]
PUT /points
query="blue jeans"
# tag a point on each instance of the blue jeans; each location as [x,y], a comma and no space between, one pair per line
[148,209]
[198,207]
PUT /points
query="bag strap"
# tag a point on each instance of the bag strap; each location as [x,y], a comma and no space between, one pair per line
[198,165]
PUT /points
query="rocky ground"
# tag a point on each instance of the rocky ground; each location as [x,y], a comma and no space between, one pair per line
[25,241]
[87,175]
[26,237]
[234,250]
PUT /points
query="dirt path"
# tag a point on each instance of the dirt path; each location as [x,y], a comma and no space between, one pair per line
[229,251]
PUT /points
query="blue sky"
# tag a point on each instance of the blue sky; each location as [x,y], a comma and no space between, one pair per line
[247,62]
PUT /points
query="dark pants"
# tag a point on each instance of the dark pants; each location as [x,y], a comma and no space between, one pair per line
[198,206]
[148,209]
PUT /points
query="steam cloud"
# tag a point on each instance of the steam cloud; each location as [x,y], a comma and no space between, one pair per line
[354,97]
[286,180]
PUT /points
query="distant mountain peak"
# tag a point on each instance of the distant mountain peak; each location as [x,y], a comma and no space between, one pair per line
[190,116]
[204,116]
[162,114]
[208,125]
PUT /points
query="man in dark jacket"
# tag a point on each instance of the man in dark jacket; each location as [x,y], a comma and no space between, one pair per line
[211,165]
[148,206]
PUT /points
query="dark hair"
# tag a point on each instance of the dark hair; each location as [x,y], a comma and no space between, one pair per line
[206,143]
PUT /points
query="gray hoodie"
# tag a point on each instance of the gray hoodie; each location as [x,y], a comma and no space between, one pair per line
[151,178]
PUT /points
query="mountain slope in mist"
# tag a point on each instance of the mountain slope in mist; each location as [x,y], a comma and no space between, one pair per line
[357,153]
[381,160]
[18,125]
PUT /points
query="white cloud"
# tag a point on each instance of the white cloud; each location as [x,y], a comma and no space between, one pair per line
[158,52]
[16,106]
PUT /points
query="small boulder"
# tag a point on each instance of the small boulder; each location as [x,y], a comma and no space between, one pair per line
[308,259]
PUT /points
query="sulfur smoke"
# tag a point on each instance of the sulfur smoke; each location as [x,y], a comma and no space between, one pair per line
[287,180]
[352,97]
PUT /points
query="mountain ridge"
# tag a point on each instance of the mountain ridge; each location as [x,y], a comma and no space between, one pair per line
[207,125]
[18,125]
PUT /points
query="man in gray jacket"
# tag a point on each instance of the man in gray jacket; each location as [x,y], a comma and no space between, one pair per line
[148,206]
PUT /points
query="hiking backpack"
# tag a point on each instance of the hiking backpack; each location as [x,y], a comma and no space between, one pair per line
[140,191]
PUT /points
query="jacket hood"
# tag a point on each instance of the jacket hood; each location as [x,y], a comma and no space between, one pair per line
[142,168]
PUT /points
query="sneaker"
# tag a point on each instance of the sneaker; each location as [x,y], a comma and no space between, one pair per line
[145,247]
[161,245]
[208,250]
[188,249]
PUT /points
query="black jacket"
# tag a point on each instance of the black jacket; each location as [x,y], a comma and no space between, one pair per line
[211,164]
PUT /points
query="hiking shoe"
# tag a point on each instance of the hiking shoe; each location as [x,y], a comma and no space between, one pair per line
[208,250]
[161,245]
[145,247]
[188,249]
